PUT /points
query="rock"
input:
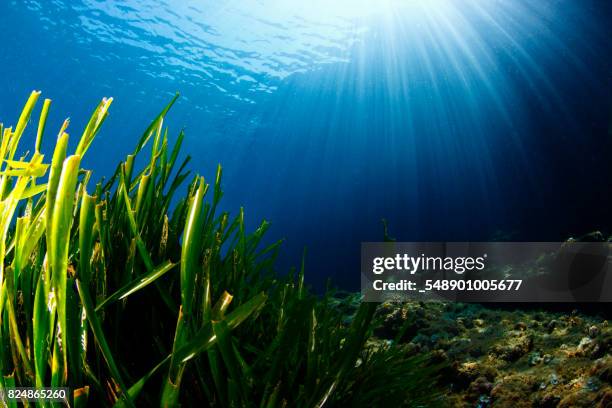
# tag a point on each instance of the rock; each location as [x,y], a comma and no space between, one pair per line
[439,356]
[593,331]
[479,387]
[419,311]
[605,400]
[498,358]
[421,340]
[464,323]
[585,344]
[514,348]
[548,401]
[412,349]
[547,358]
[574,320]
[604,341]
[520,326]
[535,358]
[592,384]
[578,399]
[602,369]
[512,391]
[484,401]
[534,324]
[553,379]
[587,348]
[392,324]
[476,351]
[464,374]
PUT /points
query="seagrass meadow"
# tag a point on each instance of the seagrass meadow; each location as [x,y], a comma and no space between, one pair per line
[129,295]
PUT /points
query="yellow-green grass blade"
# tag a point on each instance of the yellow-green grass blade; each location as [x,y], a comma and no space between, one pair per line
[142,249]
[81,397]
[21,124]
[184,350]
[8,207]
[30,237]
[73,335]
[172,386]
[154,124]
[32,168]
[54,177]
[142,192]
[56,364]
[137,284]
[87,220]
[350,350]
[98,333]
[129,168]
[33,190]
[190,252]
[214,358]
[202,339]
[6,139]
[273,399]
[216,372]
[16,339]
[218,193]
[311,358]
[18,238]
[221,306]
[136,388]
[224,344]
[41,329]
[60,236]
[174,155]
[9,382]
[5,352]
[42,122]
[95,121]
[102,249]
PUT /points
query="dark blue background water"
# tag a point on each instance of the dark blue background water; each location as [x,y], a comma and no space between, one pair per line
[454,120]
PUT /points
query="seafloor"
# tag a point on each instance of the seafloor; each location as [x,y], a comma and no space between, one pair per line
[497,357]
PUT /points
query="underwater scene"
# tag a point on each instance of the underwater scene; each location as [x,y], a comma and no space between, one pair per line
[284,203]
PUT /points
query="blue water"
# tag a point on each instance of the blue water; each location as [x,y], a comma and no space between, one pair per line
[454,120]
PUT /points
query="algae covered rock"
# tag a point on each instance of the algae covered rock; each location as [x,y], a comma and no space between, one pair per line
[497,357]
[479,388]
[594,331]
[580,398]
[514,348]
[550,400]
[463,375]
[586,347]
[391,325]
[512,391]
[594,347]
[603,369]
